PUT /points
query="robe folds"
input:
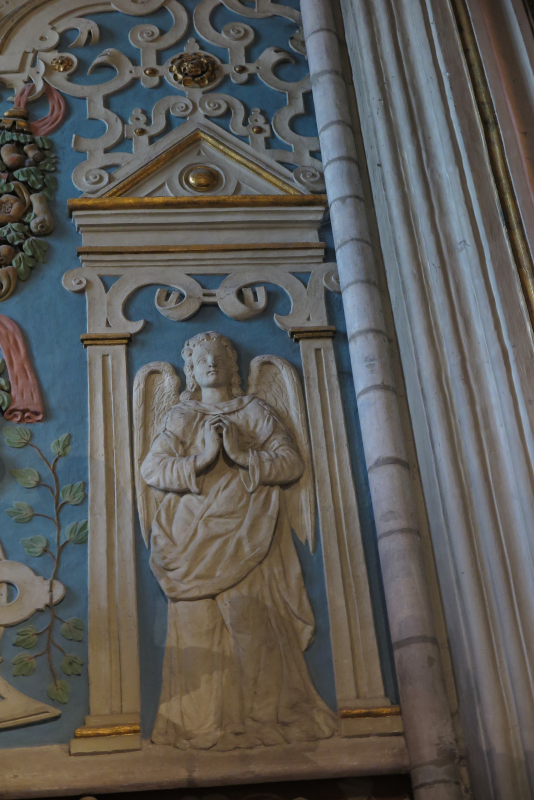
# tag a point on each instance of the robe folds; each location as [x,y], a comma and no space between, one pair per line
[234,673]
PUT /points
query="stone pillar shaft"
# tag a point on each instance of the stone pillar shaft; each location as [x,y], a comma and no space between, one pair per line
[425,707]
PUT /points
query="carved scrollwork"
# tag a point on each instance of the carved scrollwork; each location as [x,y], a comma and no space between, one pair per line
[189,69]
[241,295]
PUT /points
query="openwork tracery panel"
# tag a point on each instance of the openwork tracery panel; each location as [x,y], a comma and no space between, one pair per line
[192,73]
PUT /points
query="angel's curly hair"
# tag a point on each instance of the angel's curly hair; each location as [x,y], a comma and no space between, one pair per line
[192,388]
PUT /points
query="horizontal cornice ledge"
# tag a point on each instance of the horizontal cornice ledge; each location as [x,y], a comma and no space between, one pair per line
[217,201]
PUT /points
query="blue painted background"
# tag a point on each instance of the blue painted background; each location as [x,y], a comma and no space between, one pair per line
[53,321]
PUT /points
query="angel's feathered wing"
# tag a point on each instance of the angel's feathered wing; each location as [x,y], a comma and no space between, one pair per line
[276,381]
[156,391]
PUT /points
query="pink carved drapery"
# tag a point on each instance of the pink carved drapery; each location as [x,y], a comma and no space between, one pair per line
[56,115]
[26,402]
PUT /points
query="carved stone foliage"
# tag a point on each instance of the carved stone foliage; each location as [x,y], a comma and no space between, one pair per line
[36,592]
[26,187]
[193,75]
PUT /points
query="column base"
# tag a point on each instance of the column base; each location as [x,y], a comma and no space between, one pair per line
[371,721]
[110,733]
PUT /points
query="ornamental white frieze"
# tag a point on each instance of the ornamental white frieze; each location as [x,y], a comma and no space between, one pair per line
[191,71]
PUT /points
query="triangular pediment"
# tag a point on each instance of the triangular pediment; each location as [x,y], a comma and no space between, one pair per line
[200,162]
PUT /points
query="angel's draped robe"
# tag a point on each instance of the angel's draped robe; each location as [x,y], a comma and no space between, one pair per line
[234,673]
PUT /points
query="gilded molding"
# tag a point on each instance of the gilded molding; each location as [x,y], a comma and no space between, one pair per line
[496,153]
[366,713]
[197,248]
[324,332]
[105,339]
[107,730]
[235,201]
[200,136]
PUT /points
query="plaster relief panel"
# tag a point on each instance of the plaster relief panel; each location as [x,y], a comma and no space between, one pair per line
[219,593]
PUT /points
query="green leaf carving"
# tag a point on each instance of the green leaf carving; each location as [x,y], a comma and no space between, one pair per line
[23,270]
[31,175]
[72,665]
[35,546]
[24,665]
[61,446]
[2,365]
[17,437]
[28,478]
[48,193]
[15,232]
[59,692]
[26,637]
[78,532]
[21,512]
[72,629]
[5,400]
[5,385]
[43,142]
[27,218]
[49,166]
[6,188]
[35,248]
[73,494]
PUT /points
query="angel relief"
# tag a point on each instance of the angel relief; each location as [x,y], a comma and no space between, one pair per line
[222,477]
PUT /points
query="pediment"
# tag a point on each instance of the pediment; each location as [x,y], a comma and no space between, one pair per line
[201,162]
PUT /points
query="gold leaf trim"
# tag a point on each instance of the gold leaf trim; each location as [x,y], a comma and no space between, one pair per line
[325,332]
[221,201]
[105,339]
[496,154]
[197,248]
[366,713]
[107,730]
[197,136]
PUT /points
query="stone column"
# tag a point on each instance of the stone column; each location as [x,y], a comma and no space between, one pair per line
[363,708]
[425,708]
[114,681]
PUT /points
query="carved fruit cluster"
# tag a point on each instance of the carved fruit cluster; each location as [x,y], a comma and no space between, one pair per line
[29,637]
[26,187]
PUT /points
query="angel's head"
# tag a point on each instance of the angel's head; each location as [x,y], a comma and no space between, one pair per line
[210,362]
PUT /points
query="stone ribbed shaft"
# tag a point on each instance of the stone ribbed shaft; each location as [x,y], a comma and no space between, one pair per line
[425,708]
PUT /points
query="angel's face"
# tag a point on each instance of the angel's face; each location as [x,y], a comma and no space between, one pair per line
[211,365]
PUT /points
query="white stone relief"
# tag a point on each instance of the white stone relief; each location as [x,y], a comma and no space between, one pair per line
[240,295]
[196,101]
[32,594]
[235,470]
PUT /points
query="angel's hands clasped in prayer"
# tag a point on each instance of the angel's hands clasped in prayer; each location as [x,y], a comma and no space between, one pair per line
[217,427]
[212,444]
[231,442]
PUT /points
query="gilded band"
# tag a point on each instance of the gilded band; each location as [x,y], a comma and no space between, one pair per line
[370,713]
[107,730]
[209,201]
[198,248]
[105,339]
[324,332]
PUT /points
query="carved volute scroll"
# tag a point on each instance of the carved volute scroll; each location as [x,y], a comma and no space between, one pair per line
[193,76]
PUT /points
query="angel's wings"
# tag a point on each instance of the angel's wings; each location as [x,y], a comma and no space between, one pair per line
[156,391]
[274,380]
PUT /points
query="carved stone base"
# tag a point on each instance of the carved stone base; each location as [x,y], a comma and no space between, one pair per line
[51,770]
